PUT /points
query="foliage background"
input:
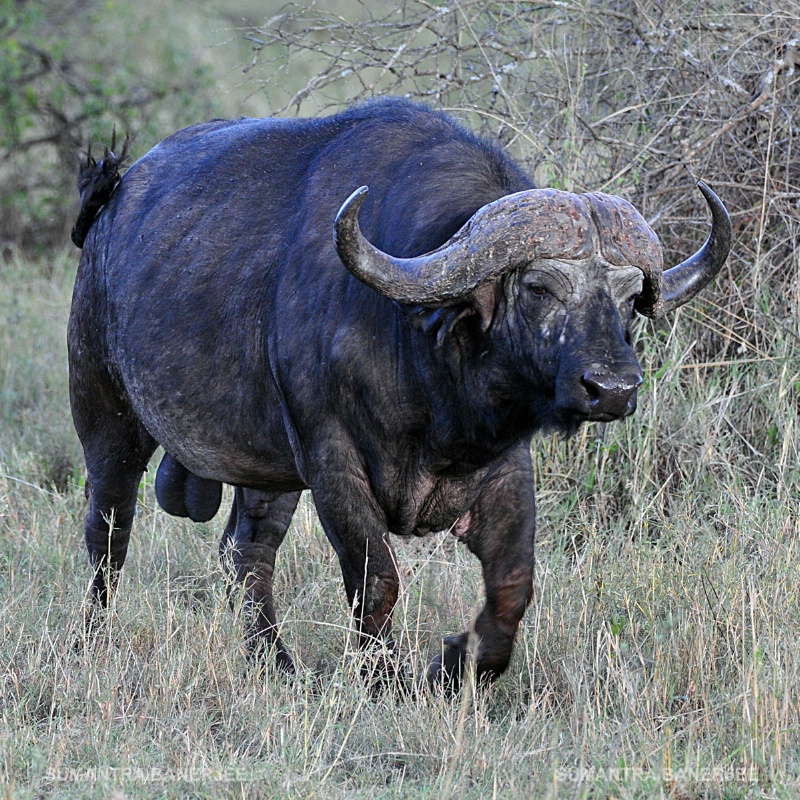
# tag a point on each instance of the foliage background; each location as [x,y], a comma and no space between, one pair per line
[658,658]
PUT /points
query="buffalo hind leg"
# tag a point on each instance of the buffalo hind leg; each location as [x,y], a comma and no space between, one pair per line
[116,448]
[114,469]
[499,529]
[256,527]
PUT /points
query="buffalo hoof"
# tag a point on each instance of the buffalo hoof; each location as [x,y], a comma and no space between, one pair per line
[260,651]
[383,673]
[446,671]
[92,630]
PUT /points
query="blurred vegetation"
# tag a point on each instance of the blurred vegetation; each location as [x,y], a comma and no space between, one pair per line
[72,71]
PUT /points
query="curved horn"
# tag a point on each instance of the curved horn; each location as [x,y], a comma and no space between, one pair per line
[537,223]
[684,281]
[397,278]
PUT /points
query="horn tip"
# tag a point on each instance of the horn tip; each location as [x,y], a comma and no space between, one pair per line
[706,190]
[718,210]
[352,205]
[346,223]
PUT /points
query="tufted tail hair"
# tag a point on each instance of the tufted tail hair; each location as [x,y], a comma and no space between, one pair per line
[96,183]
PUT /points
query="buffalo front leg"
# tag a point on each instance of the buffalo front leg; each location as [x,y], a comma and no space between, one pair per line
[255,530]
[370,577]
[499,528]
[356,527]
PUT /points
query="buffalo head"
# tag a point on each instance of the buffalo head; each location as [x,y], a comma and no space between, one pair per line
[555,278]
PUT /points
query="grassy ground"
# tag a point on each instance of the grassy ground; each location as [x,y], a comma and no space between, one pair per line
[658,658]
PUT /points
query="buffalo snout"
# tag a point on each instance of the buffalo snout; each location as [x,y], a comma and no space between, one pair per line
[598,392]
[610,395]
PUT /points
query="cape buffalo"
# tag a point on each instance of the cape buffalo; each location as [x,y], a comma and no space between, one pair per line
[377,306]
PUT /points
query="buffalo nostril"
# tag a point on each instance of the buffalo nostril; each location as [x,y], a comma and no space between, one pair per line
[591,386]
[611,395]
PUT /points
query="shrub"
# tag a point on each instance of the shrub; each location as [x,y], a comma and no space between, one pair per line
[71,73]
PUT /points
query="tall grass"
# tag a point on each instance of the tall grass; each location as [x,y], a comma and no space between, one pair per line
[658,658]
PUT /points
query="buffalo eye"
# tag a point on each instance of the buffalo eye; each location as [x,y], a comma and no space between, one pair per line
[537,290]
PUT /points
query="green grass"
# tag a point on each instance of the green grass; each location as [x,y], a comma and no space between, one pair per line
[658,659]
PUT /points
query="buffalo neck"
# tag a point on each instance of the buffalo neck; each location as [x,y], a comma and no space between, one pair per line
[477,406]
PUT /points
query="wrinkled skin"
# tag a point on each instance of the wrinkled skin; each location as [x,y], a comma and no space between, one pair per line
[212,316]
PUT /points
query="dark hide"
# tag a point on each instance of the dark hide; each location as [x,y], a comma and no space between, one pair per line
[212,316]
[183,494]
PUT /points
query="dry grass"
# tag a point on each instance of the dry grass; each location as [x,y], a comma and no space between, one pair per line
[659,657]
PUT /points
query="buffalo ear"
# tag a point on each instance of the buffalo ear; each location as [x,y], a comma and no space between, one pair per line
[441,320]
[484,300]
